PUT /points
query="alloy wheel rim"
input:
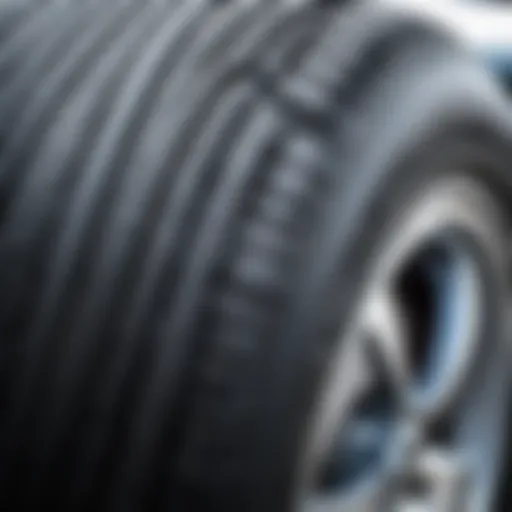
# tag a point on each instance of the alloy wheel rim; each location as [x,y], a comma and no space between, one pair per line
[390,427]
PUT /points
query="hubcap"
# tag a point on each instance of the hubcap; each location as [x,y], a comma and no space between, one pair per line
[419,366]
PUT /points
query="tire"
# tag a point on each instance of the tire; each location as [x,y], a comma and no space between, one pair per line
[194,198]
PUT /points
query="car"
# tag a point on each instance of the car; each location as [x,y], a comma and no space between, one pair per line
[255,255]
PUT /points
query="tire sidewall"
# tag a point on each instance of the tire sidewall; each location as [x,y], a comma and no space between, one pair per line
[423,120]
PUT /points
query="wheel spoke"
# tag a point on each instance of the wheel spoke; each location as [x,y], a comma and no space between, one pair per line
[385,328]
[349,382]
[440,483]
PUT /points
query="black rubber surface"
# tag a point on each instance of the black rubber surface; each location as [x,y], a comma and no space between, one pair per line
[167,170]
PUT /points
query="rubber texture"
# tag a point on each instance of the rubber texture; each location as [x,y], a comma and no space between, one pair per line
[165,170]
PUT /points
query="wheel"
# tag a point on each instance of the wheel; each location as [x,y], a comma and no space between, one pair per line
[254,257]
[402,419]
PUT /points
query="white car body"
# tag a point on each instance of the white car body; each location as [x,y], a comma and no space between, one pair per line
[481,23]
